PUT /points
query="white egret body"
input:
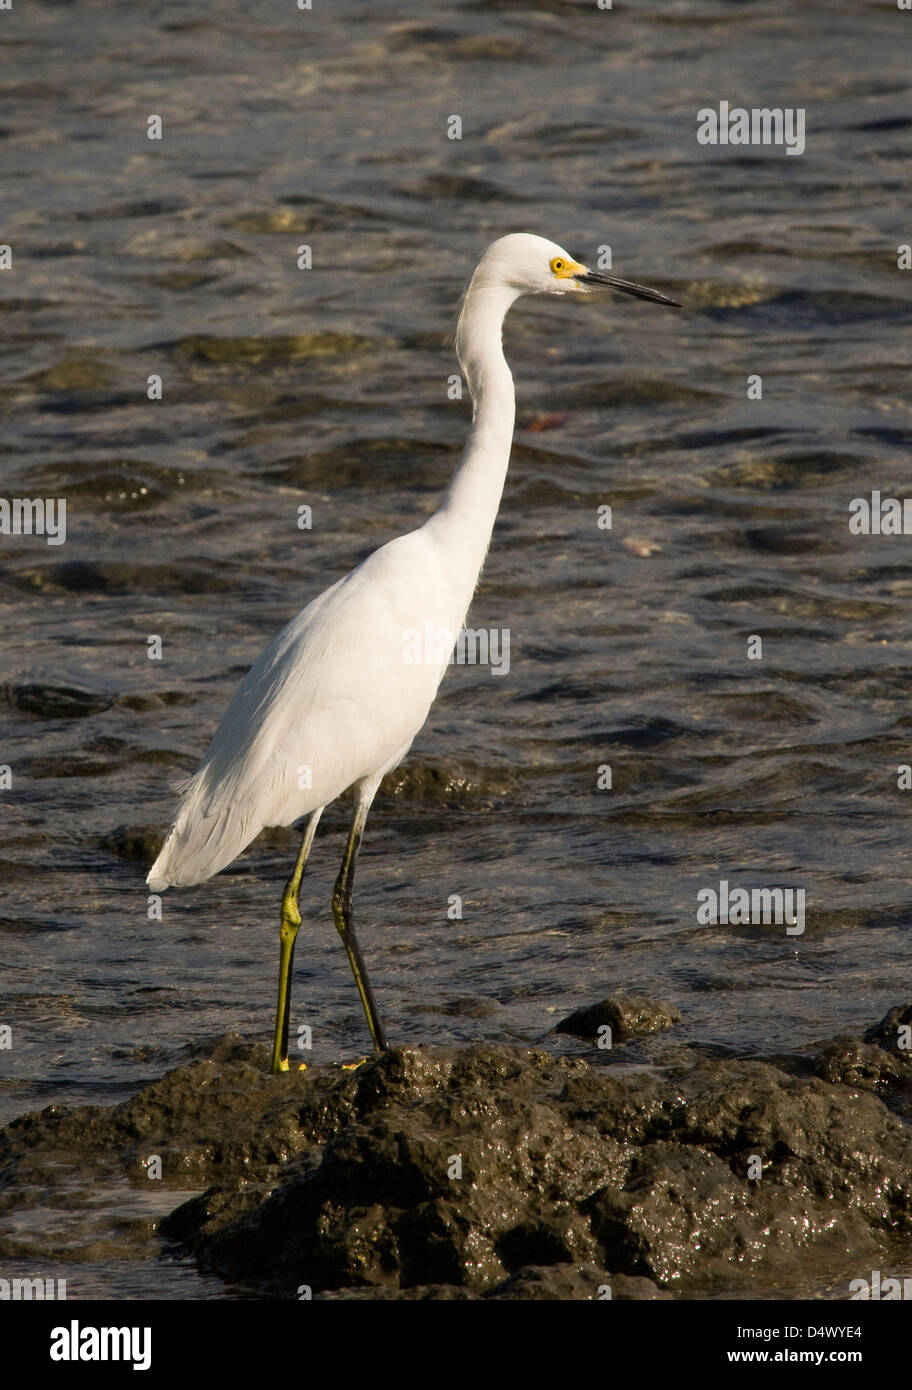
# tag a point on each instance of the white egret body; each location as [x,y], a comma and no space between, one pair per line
[335,701]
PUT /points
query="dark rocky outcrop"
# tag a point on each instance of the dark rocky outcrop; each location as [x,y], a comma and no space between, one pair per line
[490,1172]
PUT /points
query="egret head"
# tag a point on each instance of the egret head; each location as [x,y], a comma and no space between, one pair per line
[530,264]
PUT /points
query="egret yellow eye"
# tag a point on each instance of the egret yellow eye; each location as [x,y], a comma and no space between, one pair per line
[564,269]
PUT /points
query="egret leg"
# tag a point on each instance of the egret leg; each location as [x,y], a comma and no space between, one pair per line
[342,916]
[288,931]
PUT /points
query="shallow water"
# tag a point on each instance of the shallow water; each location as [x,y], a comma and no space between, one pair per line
[330,388]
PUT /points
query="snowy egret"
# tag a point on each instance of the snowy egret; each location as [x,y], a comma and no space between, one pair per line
[333,693]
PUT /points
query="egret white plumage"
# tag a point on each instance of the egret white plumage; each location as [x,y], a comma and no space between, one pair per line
[334,692]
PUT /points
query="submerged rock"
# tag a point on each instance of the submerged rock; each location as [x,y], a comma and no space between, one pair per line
[138,843]
[627,1015]
[55,701]
[881,1062]
[894,1032]
[483,1172]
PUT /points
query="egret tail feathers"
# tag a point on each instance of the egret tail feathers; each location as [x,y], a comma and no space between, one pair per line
[200,844]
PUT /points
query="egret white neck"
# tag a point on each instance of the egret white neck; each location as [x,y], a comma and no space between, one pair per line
[469,507]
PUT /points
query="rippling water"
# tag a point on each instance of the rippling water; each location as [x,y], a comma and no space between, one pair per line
[329,387]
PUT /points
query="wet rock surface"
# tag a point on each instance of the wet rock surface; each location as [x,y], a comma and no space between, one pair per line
[894,1032]
[627,1015]
[482,1172]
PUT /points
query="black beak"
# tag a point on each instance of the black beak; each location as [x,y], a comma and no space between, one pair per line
[611,282]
